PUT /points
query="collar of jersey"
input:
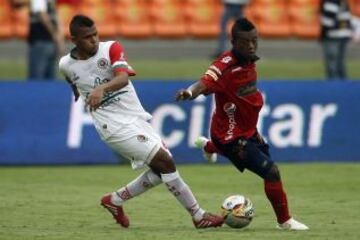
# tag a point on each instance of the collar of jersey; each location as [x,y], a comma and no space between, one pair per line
[74,57]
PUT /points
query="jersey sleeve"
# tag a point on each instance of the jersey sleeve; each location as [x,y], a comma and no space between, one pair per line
[62,67]
[118,60]
[213,79]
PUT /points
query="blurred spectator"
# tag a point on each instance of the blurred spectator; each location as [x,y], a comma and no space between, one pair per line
[335,34]
[46,40]
[233,9]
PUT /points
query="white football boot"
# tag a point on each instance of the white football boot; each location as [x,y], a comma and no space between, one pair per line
[200,142]
[292,224]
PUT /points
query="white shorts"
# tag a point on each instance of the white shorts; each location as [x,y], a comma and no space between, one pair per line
[137,142]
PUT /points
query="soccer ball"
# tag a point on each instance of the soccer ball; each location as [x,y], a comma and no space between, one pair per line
[237,211]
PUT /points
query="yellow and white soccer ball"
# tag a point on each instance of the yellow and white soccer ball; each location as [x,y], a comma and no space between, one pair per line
[238,211]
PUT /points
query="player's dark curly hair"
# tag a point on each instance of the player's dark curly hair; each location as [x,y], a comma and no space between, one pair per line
[241,25]
[79,21]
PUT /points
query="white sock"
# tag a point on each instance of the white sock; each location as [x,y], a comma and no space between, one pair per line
[183,194]
[141,184]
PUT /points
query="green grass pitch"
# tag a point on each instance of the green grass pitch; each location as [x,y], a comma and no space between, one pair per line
[194,68]
[62,203]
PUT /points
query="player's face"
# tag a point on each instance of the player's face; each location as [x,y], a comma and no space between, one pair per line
[245,43]
[87,40]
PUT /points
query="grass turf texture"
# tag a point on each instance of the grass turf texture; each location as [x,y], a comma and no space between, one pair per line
[193,69]
[63,203]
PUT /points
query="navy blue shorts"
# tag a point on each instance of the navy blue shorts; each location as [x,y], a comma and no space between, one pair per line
[252,154]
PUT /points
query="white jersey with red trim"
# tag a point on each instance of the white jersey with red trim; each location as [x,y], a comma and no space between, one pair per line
[118,107]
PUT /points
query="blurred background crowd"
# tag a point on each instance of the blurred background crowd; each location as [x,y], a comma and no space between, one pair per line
[174,18]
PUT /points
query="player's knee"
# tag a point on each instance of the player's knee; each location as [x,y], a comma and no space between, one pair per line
[162,162]
[273,174]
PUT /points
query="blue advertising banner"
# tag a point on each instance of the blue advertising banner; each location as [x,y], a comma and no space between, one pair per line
[301,120]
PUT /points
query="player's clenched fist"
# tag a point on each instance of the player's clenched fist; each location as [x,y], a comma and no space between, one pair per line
[94,99]
[183,94]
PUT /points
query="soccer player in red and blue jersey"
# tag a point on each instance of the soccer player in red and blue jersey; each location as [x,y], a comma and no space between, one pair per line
[232,79]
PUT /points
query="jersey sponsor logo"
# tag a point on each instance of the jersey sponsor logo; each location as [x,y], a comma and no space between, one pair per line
[249,88]
[111,97]
[226,59]
[98,81]
[230,109]
[108,97]
[102,63]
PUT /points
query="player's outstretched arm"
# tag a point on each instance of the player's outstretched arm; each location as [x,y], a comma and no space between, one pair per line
[191,92]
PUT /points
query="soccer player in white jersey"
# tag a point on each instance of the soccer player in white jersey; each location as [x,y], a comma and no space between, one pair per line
[98,72]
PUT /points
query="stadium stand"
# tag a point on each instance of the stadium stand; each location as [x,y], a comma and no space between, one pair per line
[272,18]
[169,18]
[355,7]
[66,12]
[135,22]
[250,11]
[102,13]
[203,18]
[304,18]
[21,22]
[6,30]
[91,3]
[176,18]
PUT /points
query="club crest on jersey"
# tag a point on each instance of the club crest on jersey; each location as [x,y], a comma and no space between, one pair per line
[102,63]
[229,107]
[226,59]
[141,138]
